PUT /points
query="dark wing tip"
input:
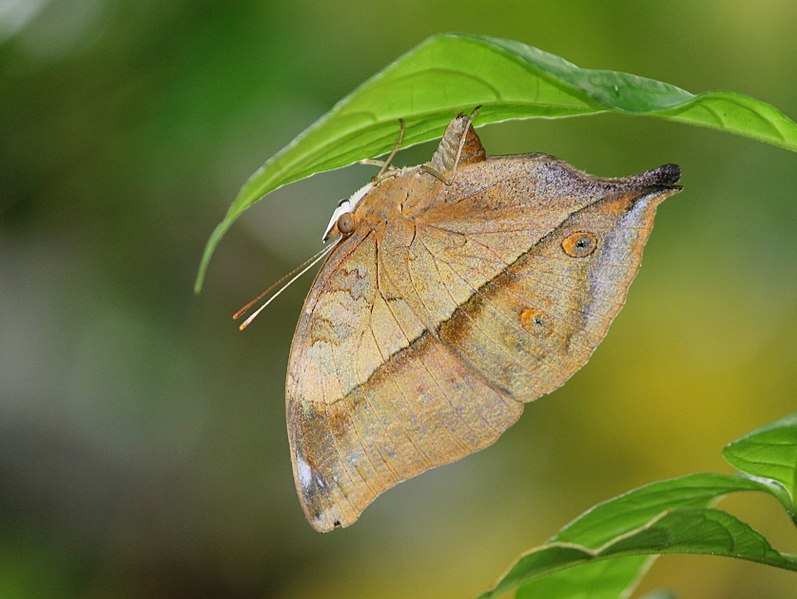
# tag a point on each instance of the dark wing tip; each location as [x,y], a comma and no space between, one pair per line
[665,175]
[662,177]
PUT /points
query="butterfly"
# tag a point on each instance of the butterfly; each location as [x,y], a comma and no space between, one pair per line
[452,293]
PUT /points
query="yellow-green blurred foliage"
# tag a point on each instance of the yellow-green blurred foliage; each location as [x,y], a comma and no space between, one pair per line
[142,442]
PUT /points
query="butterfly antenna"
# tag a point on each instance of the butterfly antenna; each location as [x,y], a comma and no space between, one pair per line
[291,276]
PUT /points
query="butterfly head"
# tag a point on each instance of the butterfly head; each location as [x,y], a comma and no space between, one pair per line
[343,220]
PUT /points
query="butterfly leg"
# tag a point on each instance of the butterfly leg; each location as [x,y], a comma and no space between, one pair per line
[384,165]
[426,168]
[395,150]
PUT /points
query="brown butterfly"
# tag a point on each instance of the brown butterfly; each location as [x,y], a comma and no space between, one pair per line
[454,292]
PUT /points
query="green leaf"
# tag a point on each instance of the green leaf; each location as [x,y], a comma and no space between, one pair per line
[629,511]
[704,531]
[603,552]
[769,454]
[451,73]
[619,516]
[597,579]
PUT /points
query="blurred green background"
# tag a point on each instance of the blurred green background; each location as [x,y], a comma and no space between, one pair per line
[142,440]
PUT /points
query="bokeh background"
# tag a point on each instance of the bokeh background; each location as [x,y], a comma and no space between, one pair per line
[142,439]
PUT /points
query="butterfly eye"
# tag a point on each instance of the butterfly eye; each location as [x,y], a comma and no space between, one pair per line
[346,223]
[579,244]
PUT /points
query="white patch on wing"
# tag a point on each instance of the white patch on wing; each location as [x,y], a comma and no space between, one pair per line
[304,471]
[603,277]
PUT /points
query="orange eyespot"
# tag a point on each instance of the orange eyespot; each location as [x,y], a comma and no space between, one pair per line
[580,244]
[346,223]
[530,317]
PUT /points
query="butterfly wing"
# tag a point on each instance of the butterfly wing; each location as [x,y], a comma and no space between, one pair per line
[419,343]
[530,261]
[373,396]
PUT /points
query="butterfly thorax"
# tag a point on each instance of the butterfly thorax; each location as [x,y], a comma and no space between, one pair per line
[407,193]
